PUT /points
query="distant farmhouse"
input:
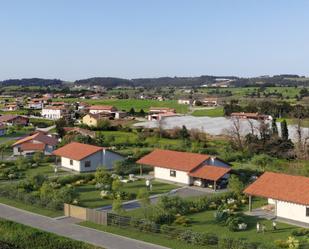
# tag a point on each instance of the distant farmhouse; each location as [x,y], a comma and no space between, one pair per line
[85,157]
[105,109]
[188,168]
[157,113]
[54,112]
[249,115]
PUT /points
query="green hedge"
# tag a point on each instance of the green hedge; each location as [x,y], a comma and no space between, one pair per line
[14,235]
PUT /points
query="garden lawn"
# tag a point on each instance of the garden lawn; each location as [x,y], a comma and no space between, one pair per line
[46,169]
[158,239]
[204,222]
[90,196]
[31,208]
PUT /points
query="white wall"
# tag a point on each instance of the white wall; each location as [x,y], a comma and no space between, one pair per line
[292,211]
[65,162]
[164,174]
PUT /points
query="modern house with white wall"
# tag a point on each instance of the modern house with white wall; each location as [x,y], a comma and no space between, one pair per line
[287,195]
[85,157]
[188,168]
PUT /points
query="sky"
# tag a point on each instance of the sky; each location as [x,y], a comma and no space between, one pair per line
[77,39]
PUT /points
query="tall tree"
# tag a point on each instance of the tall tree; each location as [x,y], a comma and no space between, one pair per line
[274,127]
[284,130]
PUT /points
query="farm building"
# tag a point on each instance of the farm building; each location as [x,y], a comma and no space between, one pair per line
[85,157]
[188,168]
[157,113]
[287,195]
[11,119]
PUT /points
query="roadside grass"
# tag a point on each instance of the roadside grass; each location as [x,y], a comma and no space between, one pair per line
[89,196]
[215,112]
[137,104]
[157,239]
[31,208]
[26,237]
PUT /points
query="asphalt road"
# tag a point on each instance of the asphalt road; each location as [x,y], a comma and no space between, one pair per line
[67,228]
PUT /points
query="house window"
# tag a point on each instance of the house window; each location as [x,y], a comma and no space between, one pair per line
[87,164]
[173,173]
[19,149]
[307,211]
[71,162]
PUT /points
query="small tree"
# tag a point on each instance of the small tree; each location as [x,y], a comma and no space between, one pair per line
[117,206]
[144,200]
[132,111]
[235,185]
[38,157]
[274,127]
[103,177]
[116,185]
[284,130]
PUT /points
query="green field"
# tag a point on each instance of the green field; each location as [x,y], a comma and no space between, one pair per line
[137,104]
[215,112]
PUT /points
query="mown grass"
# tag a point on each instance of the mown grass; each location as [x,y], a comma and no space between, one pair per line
[89,196]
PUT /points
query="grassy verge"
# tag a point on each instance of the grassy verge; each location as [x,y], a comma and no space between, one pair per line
[14,235]
[31,208]
[147,237]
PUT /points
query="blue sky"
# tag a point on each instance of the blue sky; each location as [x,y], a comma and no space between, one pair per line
[73,39]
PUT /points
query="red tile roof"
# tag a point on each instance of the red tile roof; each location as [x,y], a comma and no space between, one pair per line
[183,161]
[32,146]
[209,172]
[77,151]
[38,136]
[282,187]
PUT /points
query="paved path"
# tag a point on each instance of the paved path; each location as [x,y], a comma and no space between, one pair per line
[67,228]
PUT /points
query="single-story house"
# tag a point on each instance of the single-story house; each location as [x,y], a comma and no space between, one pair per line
[10,107]
[287,194]
[11,119]
[39,141]
[85,157]
[157,113]
[184,101]
[188,168]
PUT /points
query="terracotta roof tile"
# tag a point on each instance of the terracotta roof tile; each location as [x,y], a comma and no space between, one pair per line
[183,161]
[77,151]
[38,136]
[282,187]
[209,172]
[32,146]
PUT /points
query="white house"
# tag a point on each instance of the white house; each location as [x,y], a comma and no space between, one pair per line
[288,195]
[85,157]
[184,101]
[34,143]
[54,112]
[188,168]
[157,113]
